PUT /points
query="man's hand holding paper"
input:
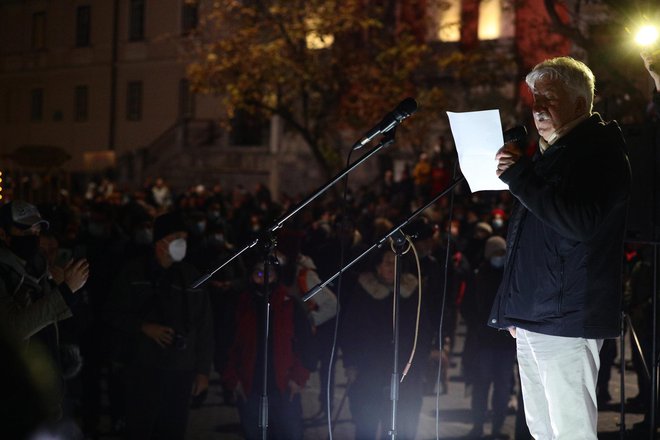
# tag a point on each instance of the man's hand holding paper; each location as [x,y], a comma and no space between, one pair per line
[506,156]
[481,154]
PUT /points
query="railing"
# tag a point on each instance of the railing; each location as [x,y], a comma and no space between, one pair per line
[185,133]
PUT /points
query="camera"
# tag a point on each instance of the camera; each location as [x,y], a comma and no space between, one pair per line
[179,341]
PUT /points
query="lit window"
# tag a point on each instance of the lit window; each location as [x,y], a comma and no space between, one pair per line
[315,39]
[490,19]
[450,21]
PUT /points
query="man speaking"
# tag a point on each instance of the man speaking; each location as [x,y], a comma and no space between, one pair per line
[561,291]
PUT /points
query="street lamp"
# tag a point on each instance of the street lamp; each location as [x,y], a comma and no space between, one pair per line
[647,35]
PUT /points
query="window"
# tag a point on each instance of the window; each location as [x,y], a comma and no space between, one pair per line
[248,129]
[134,101]
[39,30]
[490,19]
[450,21]
[80,105]
[83,22]
[186,100]
[37,105]
[136,20]
[189,17]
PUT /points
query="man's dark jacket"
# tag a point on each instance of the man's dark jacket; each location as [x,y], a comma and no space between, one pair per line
[145,292]
[565,241]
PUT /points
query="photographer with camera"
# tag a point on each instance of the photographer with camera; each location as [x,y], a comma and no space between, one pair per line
[34,299]
[167,334]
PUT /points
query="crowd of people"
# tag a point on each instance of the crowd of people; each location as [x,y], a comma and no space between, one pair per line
[137,324]
[106,287]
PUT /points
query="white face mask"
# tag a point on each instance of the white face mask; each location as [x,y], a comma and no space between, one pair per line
[177,249]
[498,223]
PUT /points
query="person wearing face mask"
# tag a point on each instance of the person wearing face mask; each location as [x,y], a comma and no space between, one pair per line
[32,303]
[167,334]
[561,292]
[287,375]
[489,355]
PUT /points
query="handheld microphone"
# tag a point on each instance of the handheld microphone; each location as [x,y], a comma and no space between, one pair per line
[515,134]
[405,108]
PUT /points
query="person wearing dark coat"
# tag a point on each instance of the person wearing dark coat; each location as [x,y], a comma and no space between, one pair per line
[367,347]
[32,305]
[561,292]
[167,330]
[489,354]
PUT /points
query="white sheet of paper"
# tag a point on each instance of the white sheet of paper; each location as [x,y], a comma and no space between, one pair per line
[478,137]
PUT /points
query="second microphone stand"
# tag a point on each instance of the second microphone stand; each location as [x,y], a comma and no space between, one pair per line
[399,240]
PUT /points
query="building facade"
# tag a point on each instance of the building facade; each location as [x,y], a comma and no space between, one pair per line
[88,86]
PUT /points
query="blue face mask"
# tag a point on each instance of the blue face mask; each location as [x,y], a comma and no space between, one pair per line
[498,261]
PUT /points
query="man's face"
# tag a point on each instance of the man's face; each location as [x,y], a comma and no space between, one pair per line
[16,232]
[162,245]
[386,268]
[553,106]
[22,242]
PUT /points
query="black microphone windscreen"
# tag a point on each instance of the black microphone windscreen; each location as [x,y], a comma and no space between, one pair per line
[407,107]
[515,134]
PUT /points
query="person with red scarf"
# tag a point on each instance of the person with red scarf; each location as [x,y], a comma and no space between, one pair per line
[287,374]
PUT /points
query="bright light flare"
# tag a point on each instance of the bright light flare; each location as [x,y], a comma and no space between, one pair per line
[647,35]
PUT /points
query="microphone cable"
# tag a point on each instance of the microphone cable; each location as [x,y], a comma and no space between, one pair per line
[442,308]
[343,216]
[411,245]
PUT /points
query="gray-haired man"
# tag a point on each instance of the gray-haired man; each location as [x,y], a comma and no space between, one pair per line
[561,291]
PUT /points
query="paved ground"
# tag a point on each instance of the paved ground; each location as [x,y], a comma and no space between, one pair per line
[215,420]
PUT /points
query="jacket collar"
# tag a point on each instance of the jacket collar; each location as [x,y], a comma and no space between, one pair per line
[378,290]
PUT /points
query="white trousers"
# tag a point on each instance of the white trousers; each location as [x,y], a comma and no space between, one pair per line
[558,377]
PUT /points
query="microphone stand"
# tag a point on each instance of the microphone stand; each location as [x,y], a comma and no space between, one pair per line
[263,402]
[268,242]
[399,240]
